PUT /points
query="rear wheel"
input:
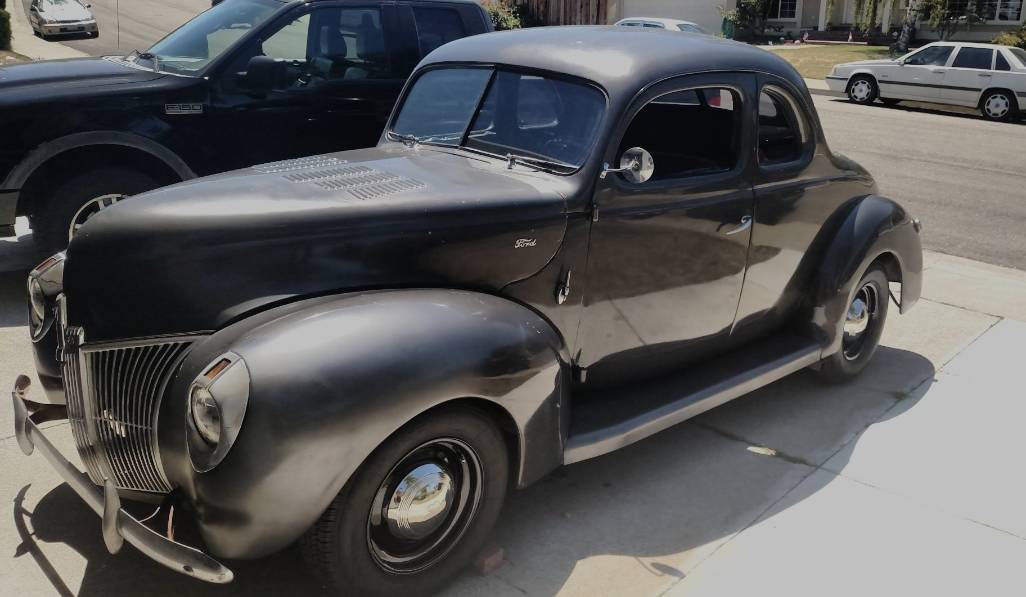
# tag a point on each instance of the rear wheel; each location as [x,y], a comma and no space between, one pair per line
[418,510]
[72,202]
[863,90]
[861,328]
[998,105]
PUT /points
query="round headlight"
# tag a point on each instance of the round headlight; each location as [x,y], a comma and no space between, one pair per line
[206,415]
[37,303]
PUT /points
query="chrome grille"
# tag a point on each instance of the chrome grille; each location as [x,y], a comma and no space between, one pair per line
[113,392]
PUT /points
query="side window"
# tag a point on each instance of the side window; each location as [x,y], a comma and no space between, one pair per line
[437,26]
[289,43]
[689,133]
[1002,63]
[782,131]
[979,58]
[932,56]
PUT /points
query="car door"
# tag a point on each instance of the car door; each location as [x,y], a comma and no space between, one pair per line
[920,76]
[335,89]
[970,73]
[667,256]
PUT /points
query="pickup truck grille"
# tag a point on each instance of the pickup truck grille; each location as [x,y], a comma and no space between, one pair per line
[113,392]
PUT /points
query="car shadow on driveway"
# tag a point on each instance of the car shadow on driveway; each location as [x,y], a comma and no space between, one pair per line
[659,506]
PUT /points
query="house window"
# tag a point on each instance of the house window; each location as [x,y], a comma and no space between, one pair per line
[784,10]
[1001,11]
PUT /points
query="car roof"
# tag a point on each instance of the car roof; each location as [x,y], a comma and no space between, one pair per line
[967,44]
[662,20]
[620,59]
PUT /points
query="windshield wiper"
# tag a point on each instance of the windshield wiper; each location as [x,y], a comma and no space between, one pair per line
[408,140]
[513,159]
[136,55]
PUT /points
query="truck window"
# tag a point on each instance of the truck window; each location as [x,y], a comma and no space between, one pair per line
[437,26]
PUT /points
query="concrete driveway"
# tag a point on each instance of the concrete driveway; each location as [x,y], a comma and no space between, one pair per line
[907,480]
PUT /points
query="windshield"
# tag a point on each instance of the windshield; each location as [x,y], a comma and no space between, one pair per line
[546,122]
[195,44]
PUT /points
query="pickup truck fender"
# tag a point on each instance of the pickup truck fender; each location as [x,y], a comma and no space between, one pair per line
[871,229]
[331,378]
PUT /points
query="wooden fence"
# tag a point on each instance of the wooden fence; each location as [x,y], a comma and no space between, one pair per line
[566,12]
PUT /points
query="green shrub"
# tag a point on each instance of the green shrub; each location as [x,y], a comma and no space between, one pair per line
[503,13]
[1012,38]
[5,30]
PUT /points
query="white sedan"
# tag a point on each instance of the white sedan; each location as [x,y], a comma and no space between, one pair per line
[62,17]
[984,76]
[661,23]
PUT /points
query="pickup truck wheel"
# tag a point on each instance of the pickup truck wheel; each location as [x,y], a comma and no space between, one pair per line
[418,510]
[82,196]
[863,90]
[861,328]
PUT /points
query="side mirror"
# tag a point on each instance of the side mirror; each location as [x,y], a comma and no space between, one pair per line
[901,62]
[263,74]
[636,165]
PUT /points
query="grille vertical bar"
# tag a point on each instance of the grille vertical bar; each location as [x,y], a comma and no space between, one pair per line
[113,393]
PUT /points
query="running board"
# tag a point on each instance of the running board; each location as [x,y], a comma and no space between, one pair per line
[616,418]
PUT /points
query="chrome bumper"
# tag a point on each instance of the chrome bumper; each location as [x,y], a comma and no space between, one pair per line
[118,526]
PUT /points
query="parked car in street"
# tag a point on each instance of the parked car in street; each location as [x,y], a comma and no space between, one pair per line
[987,77]
[245,82]
[550,254]
[661,23]
[50,18]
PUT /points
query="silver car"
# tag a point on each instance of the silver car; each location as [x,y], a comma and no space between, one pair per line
[62,17]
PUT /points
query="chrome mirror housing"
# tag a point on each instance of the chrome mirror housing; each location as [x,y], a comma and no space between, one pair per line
[636,165]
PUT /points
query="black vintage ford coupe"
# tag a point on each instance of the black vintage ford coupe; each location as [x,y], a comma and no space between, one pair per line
[567,240]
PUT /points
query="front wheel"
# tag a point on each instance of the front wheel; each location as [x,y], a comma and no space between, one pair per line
[417,512]
[861,328]
[998,105]
[863,90]
[80,197]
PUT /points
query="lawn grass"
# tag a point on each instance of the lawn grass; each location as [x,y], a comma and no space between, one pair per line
[815,61]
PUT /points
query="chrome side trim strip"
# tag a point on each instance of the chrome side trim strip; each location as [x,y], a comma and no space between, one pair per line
[602,441]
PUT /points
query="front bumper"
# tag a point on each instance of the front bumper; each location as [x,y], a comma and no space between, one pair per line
[836,83]
[118,525]
[68,28]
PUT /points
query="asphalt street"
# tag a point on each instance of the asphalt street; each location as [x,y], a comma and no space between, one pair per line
[964,177]
[127,25]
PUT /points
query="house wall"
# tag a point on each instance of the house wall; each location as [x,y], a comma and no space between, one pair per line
[704,12]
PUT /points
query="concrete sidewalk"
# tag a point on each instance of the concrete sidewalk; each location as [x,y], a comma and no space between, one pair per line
[908,480]
[26,43]
[819,87]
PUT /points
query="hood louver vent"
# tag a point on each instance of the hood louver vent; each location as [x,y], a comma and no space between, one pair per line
[342,171]
[317,161]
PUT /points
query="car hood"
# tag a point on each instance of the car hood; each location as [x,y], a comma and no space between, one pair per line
[72,73]
[876,62]
[197,255]
[66,11]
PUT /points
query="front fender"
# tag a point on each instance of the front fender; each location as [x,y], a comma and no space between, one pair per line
[873,228]
[333,377]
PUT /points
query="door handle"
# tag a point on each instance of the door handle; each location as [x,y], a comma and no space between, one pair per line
[937,70]
[746,223]
[983,74]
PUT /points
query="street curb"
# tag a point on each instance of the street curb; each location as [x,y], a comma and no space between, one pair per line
[825,92]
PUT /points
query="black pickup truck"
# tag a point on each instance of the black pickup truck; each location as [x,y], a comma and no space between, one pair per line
[245,82]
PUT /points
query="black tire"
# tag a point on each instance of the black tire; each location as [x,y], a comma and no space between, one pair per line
[857,351]
[999,105]
[862,89]
[341,547]
[890,101]
[66,200]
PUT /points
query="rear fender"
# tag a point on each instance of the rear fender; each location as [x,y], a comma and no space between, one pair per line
[875,228]
[332,378]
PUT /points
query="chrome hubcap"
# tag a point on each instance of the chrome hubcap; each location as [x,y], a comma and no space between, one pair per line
[860,315]
[860,90]
[424,505]
[90,209]
[997,105]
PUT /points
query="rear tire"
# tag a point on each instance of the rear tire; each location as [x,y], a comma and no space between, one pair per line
[999,105]
[364,544]
[71,202]
[863,90]
[861,328]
